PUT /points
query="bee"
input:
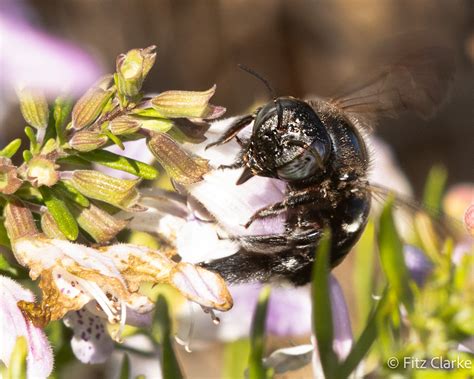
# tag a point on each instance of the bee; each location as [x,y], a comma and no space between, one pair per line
[318,148]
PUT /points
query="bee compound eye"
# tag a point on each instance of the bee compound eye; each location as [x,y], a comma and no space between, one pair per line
[302,167]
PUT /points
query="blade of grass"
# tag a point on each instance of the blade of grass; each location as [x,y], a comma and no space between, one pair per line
[434,188]
[125,368]
[365,341]
[257,337]
[363,279]
[162,332]
[391,256]
[235,362]
[322,312]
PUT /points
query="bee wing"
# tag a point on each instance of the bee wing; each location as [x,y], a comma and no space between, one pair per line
[439,225]
[417,80]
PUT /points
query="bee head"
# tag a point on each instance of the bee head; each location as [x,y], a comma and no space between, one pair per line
[288,141]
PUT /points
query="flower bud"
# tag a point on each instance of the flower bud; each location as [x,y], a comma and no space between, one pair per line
[50,227]
[100,225]
[124,125]
[87,141]
[91,104]
[19,221]
[179,165]
[187,104]
[95,185]
[9,181]
[132,68]
[40,171]
[34,107]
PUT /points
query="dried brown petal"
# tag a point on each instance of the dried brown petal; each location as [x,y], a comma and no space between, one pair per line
[9,181]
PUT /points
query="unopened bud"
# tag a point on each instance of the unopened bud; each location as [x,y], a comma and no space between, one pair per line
[19,221]
[9,181]
[132,69]
[87,140]
[100,225]
[95,185]
[124,125]
[179,165]
[50,227]
[187,104]
[34,107]
[40,171]
[91,104]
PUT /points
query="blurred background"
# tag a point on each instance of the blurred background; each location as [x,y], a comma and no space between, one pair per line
[302,47]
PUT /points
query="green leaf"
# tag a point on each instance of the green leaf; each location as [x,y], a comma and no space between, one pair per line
[125,369]
[6,267]
[61,111]
[235,362]
[61,214]
[365,341]
[10,150]
[30,133]
[4,240]
[27,156]
[434,188]
[362,273]
[322,310]
[391,256]
[17,366]
[257,337]
[118,162]
[117,141]
[161,330]
[67,190]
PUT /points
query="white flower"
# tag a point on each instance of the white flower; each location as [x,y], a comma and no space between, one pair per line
[13,325]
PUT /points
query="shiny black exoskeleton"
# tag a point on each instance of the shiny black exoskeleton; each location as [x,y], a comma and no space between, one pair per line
[322,157]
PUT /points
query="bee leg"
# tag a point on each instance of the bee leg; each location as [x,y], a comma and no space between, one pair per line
[268,211]
[233,130]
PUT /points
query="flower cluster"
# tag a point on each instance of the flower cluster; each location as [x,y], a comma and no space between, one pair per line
[59,211]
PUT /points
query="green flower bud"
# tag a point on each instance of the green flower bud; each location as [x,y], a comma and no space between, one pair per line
[19,221]
[186,104]
[50,227]
[34,107]
[87,140]
[179,165]
[100,225]
[132,68]
[95,185]
[91,104]
[40,171]
[124,125]
[9,181]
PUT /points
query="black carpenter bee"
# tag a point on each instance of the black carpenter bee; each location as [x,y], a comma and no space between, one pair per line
[317,147]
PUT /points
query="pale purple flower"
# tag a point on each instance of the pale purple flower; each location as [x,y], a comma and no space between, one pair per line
[13,325]
[31,57]
[418,264]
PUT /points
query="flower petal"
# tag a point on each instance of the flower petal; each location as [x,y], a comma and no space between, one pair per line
[13,324]
[91,342]
[201,286]
[289,359]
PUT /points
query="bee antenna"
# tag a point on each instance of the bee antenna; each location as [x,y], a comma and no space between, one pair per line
[269,88]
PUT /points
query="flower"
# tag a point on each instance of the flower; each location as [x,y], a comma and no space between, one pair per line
[13,325]
[38,60]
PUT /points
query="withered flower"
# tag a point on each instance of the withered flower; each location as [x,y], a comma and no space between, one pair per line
[9,181]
